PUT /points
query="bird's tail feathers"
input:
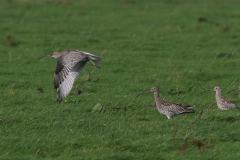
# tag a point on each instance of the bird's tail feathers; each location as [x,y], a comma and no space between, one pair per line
[189,106]
[96,59]
[189,111]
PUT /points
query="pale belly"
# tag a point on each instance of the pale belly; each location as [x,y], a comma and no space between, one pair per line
[163,112]
[222,107]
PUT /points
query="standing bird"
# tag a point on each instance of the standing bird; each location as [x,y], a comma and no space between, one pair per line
[222,102]
[166,108]
[70,64]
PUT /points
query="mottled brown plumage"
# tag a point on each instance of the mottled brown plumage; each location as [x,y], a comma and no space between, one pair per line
[154,105]
[222,102]
[166,108]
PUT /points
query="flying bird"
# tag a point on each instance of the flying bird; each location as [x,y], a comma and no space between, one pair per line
[169,109]
[70,64]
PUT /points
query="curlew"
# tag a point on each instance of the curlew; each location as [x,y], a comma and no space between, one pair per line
[166,108]
[222,102]
[70,64]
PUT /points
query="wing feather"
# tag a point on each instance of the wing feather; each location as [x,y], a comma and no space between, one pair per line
[68,68]
[66,86]
[64,65]
[172,109]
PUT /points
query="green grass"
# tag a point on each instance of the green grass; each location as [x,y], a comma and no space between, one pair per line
[182,47]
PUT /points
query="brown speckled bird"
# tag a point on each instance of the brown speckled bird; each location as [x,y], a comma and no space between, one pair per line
[222,102]
[169,109]
[70,64]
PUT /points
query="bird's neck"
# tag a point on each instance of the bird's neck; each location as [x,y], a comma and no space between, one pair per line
[218,93]
[157,97]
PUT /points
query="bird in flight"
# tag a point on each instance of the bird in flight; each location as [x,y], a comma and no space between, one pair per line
[70,64]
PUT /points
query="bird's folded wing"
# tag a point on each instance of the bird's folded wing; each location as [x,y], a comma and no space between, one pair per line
[175,108]
[229,103]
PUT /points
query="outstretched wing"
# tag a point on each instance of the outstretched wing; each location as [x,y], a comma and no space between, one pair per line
[67,70]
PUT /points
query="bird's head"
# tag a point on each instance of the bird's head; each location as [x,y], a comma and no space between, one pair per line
[217,89]
[54,55]
[154,89]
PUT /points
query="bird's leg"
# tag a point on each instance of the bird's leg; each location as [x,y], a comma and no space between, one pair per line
[94,64]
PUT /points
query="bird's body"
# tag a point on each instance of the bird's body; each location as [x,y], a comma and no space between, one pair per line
[154,105]
[70,64]
[222,102]
[169,109]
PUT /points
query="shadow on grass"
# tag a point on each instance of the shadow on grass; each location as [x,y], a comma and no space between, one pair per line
[10,41]
[223,119]
[234,137]
[183,144]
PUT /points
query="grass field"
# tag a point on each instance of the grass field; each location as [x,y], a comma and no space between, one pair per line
[182,47]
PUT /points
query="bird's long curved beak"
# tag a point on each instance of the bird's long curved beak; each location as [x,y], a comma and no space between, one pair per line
[232,90]
[143,93]
[207,90]
[48,55]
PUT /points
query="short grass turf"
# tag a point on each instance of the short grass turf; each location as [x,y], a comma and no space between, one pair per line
[182,47]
